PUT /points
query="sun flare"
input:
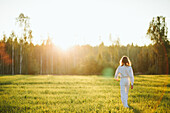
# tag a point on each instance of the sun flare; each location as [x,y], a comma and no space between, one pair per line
[64,45]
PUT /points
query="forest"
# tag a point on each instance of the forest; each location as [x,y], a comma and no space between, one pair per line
[18,55]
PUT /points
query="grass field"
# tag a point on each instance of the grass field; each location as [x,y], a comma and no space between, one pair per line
[47,93]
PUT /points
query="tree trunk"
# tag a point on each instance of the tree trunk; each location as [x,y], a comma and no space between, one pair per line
[3,67]
[20,59]
[52,63]
[47,62]
[41,65]
[12,59]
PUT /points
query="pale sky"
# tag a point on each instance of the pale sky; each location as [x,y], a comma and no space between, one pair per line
[70,22]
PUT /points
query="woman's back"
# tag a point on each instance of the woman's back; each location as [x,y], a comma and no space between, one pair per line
[125,71]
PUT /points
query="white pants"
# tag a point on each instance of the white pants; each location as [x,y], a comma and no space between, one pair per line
[124,89]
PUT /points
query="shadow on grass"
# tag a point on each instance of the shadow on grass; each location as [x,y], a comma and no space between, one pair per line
[14,80]
[168,85]
[134,109]
[6,75]
[1,90]
[6,83]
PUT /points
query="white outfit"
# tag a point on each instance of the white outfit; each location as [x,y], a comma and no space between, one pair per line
[125,73]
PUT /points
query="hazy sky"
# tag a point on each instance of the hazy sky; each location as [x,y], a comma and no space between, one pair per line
[70,22]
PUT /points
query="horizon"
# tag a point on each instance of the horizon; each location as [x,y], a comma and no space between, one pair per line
[70,23]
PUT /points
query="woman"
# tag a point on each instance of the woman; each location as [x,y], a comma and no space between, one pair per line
[125,71]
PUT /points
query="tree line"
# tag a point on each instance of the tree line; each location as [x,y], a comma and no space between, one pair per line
[18,55]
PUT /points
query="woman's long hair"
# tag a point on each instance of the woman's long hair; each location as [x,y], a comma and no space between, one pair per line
[125,61]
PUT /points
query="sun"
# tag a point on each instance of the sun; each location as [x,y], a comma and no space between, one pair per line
[63,45]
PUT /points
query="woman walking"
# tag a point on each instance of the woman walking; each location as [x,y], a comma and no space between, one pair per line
[125,72]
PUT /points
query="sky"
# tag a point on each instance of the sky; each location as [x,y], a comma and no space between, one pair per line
[70,22]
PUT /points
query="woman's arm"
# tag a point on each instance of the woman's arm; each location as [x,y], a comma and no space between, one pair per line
[116,73]
[131,77]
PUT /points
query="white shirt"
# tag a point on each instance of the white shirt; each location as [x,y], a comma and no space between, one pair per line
[125,71]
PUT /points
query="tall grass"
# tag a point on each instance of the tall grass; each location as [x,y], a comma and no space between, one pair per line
[47,93]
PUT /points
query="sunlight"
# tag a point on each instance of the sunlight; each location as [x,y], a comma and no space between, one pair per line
[64,45]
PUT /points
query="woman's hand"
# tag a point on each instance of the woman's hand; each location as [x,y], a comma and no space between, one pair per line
[117,79]
[131,86]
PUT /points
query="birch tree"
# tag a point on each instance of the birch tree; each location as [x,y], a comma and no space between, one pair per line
[23,22]
[12,36]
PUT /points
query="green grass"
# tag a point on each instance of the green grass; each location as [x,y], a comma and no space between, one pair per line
[30,93]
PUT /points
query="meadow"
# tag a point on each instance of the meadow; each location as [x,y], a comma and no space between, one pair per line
[63,94]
